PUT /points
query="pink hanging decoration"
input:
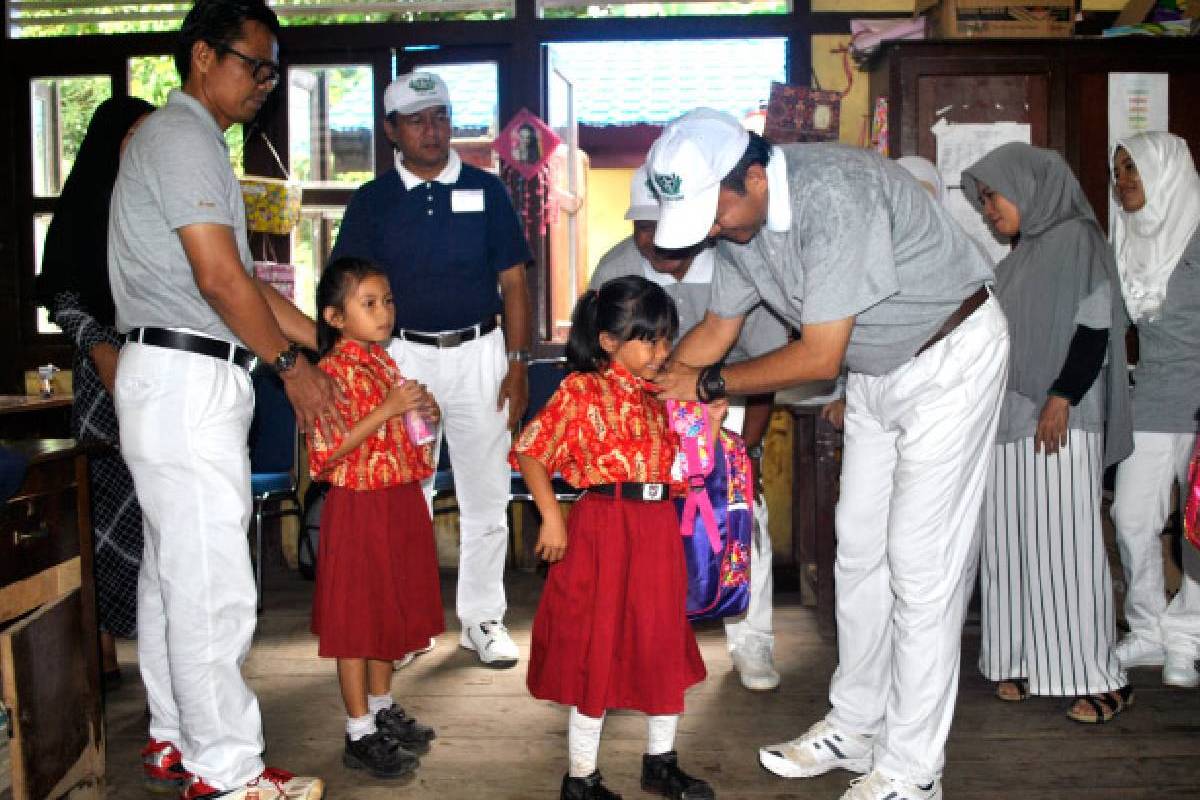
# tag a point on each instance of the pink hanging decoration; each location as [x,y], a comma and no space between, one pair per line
[525,147]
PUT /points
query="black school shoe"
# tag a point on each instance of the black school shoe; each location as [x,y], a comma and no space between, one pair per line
[590,788]
[412,735]
[662,775]
[380,755]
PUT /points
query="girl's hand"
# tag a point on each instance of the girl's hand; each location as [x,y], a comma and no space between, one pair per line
[552,539]
[405,397]
[430,409]
[717,410]
[1052,425]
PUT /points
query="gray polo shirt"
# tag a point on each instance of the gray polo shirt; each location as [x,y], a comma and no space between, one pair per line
[174,173]
[859,238]
[762,331]
[1166,390]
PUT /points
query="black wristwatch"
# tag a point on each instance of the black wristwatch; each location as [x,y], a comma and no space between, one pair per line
[709,384]
[286,360]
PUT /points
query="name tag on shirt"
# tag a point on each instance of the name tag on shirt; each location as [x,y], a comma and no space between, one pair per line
[466,201]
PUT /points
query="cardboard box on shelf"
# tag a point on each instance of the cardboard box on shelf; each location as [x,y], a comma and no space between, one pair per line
[995,19]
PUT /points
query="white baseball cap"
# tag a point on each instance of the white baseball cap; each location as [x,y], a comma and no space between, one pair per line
[414,92]
[643,202]
[686,166]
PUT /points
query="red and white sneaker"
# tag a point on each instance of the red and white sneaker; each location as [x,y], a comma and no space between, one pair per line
[272,784]
[162,768]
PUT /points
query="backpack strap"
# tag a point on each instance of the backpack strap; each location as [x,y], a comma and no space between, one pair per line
[698,445]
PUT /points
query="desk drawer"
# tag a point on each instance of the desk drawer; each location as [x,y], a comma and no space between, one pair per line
[38,526]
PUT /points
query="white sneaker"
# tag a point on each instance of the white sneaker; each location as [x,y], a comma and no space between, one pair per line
[272,784]
[490,640]
[754,659]
[822,748]
[878,786]
[1179,669]
[410,657]
[1138,651]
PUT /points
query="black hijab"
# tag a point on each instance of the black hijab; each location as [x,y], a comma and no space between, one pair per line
[75,258]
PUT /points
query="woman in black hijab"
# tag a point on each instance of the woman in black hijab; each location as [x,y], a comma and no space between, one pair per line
[73,287]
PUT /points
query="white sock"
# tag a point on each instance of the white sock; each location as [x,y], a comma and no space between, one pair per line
[662,733]
[379,702]
[583,743]
[358,727]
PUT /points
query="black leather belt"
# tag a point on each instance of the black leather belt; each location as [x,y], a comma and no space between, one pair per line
[450,338]
[646,492]
[966,309]
[193,343]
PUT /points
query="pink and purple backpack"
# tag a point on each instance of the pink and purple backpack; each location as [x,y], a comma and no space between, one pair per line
[716,518]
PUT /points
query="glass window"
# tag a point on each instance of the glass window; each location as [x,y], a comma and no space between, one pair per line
[331,130]
[475,113]
[312,241]
[41,224]
[60,110]
[574,9]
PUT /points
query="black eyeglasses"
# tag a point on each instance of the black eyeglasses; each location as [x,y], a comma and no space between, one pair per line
[262,70]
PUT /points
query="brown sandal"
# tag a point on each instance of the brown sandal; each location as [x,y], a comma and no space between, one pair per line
[1101,708]
[1013,690]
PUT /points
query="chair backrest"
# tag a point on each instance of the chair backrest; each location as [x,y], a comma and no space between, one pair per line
[273,429]
[545,374]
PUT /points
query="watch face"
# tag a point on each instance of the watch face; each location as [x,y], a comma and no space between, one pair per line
[285,360]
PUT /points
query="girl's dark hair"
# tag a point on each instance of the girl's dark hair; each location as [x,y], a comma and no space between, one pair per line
[339,277]
[629,308]
[758,151]
[219,24]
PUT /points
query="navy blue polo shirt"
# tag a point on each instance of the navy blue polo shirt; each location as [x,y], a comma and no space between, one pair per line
[441,247]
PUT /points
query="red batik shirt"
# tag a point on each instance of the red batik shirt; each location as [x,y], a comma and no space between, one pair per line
[365,376]
[601,427]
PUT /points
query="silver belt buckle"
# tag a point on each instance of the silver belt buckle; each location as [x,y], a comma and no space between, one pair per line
[453,339]
[652,492]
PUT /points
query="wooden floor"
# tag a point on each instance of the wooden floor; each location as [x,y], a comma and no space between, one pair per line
[496,742]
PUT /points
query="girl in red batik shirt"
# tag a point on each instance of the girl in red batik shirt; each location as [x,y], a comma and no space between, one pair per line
[377,595]
[611,630]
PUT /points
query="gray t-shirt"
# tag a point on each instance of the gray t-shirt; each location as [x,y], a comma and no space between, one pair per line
[762,331]
[174,173]
[865,241]
[1166,391]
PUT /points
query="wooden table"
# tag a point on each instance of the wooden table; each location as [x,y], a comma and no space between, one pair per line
[32,416]
[816,469]
[49,648]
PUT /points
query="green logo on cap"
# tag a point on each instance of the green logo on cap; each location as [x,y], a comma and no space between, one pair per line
[668,186]
[422,83]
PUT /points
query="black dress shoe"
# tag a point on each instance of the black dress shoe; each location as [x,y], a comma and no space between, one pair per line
[661,775]
[411,734]
[380,755]
[590,788]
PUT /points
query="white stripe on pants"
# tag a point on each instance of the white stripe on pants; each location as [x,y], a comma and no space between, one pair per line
[917,449]
[465,381]
[184,423]
[1045,589]
[1141,504]
[757,619]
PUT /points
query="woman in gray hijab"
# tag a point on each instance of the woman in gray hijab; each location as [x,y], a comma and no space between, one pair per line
[1046,592]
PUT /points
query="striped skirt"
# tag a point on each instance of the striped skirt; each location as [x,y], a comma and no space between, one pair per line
[1045,590]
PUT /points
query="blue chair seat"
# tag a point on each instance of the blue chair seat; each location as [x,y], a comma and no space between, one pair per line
[266,482]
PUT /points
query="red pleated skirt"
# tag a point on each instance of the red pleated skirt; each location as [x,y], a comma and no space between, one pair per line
[611,630]
[378,594]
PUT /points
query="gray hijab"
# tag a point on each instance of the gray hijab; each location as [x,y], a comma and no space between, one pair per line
[1060,258]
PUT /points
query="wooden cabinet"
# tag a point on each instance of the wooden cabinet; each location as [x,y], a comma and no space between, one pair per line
[1058,86]
[49,671]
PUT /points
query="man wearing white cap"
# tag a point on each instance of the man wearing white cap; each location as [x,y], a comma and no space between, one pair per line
[686,275]
[453,248]
[849,249]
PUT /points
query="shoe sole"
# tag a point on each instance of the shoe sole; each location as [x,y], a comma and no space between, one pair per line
[759,684]
[352,762]
[1187,683]
[1144,661]
[654,788]
[778,765]
[495,663]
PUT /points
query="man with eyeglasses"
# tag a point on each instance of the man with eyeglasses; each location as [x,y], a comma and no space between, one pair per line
[195,322]
[453,247]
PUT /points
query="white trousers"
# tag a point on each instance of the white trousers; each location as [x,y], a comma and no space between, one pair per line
[184,422]
[918,445]
[465,381]
[1045,590]
[757,619]
[1141,504]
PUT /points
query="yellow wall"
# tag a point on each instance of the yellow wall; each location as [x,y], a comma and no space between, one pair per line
[608,197]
